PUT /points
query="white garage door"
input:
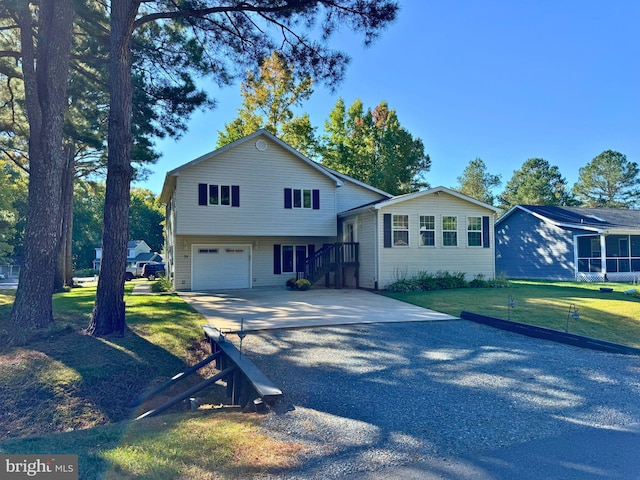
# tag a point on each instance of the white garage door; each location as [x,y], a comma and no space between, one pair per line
[220,266]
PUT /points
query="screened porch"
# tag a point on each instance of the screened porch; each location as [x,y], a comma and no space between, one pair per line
[608,257]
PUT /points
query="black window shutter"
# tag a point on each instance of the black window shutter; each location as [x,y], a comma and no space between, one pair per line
[316,199]
[311,249]
[277,262]
[235,195]
[387,230]
[287,198]
[486,242]
[202,194]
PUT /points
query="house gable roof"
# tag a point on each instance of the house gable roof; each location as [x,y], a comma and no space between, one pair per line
[591,219]
[431,191]
[347,178]
[170,177]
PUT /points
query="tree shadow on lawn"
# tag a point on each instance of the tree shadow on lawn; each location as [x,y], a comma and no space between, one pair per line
[417,390]
[72,381]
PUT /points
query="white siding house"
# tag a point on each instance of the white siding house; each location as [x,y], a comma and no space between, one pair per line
[254,212]
[428,231]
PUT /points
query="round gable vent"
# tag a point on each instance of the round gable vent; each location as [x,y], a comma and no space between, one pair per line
[261,145]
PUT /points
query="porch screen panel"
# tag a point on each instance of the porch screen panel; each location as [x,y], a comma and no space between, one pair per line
[634,242]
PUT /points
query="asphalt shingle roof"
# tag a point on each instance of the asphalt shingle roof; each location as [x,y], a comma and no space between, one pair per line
[590,217]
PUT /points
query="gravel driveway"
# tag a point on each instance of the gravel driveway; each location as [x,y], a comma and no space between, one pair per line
[449,399]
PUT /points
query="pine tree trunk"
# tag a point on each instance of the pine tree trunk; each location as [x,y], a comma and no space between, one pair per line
[64,272]
[109,309]
[45,77]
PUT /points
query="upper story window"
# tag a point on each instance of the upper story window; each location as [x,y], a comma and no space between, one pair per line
[474,231]
[219,195]
[427,230]
[449,231]
[302,198]
[401,230]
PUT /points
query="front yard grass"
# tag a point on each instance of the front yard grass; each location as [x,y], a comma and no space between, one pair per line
[67,392]
[613,316]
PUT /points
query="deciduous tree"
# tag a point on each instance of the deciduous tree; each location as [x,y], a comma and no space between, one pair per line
[146,218]
[268,102]
[609,180]
[372,146]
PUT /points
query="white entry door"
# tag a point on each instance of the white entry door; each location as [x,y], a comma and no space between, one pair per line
[217,267]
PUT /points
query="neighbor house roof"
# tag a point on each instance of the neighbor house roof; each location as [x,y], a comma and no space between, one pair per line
[146,257]
[170,178]
[593,219]
[410,196]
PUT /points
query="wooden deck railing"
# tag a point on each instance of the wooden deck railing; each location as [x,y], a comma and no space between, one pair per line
[331,258]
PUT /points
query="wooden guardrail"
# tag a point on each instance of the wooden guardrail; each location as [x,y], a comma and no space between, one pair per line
[246,381]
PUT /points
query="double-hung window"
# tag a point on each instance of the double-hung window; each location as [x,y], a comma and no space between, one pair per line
[401,230]
[474,231]
[302,198]
[219,195]
[427,230]
[449,231]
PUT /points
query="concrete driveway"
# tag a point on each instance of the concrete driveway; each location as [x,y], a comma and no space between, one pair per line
[267,309]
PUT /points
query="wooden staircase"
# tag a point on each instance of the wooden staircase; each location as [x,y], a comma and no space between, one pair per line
[330,259]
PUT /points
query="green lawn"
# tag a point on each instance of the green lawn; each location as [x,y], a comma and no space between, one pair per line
[67,392]
[611,316]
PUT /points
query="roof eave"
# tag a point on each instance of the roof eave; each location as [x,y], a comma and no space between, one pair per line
[431,191]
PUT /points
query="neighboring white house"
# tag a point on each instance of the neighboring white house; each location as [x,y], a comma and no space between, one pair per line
[257,212]
[137,251]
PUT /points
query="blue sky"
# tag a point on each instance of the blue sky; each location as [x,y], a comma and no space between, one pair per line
[501,80]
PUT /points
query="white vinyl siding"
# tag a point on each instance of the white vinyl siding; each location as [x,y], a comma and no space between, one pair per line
[396,263]
[261,206]
[351,195]
[261,256]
